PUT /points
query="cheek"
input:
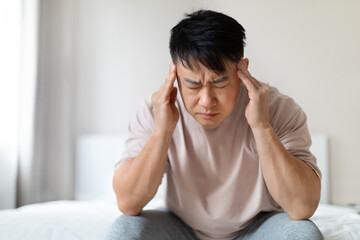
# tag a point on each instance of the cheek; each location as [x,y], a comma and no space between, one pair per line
[189,98]
[228,98]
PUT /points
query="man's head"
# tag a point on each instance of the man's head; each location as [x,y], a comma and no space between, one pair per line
[206,46]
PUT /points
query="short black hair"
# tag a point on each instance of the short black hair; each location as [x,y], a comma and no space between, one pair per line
[209,38]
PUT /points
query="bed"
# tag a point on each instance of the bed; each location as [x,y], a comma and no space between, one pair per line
[91,214]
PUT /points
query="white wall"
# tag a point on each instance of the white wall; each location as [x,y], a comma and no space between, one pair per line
[308,49]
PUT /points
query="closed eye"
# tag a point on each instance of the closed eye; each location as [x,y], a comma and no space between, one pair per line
[193,88]
[221,82]
[224,86]
[192,84]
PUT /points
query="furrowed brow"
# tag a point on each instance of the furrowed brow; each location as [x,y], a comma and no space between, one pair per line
[191,81]
[221,79]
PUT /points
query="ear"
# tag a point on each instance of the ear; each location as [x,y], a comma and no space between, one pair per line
[247,62]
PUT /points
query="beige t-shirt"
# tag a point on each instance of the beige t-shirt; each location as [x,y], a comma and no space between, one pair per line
[214,178]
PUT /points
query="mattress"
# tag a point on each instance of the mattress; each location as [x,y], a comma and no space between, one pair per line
[90,220]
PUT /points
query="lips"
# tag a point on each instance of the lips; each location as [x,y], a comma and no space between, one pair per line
[208,115]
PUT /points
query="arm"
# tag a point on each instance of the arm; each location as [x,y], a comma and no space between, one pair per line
[291,182]
[136,181]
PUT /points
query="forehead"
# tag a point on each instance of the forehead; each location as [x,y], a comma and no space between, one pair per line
[200,69]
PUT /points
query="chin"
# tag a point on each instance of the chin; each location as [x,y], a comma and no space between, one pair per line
[208,123]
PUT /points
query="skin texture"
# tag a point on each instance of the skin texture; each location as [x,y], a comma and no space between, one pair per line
[136,181]
[165,112]
[204,96]
[291,182]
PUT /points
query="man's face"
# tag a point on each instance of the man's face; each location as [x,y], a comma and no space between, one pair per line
[208,97]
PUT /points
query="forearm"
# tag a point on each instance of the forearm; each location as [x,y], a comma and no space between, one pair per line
[291,182]
[137,180]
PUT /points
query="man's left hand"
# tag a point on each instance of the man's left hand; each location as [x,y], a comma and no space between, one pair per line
[257,110]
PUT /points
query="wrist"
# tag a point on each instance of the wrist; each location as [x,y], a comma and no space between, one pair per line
[162,133]
[263,132]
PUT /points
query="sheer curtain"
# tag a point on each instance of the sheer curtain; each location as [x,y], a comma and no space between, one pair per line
[36,114]
[10,64]
[26,167]
[18,61]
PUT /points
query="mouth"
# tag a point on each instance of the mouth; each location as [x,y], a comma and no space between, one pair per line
[208,115]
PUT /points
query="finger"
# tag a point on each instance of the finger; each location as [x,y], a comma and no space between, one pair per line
[169,82]
[171,69]
[167,79]
[243,68]
[249,85]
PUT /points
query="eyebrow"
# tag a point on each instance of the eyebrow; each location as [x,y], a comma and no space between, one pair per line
[221,79]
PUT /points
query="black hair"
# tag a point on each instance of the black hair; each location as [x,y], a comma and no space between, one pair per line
[209,38]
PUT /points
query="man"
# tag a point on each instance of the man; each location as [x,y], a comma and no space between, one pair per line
[235,150]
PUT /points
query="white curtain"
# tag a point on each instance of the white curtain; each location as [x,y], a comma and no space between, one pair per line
[18,61]
[27,168]
[36,136]
[10,65]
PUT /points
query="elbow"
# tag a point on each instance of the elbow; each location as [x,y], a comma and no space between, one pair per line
[301,215]
[125,204]
[122,203]
[304,208]
[303,211]
[128,209]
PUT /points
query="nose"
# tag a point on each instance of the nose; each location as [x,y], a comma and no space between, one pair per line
[207,98]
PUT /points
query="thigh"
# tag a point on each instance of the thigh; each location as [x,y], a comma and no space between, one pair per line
[278,225]
[150,224]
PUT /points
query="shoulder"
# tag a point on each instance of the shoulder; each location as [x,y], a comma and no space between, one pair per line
[144,117]
[145,108]
[280,102]
[285,114]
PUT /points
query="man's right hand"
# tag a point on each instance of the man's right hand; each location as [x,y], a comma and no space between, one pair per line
[165,112]
[136,180]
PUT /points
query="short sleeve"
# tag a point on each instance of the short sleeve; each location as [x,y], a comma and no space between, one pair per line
[289,122]
[140,129]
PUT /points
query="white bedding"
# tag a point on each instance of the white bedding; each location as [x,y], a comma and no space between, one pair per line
[337,222]
[74,220]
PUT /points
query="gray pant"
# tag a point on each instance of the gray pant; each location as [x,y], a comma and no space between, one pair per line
[162,224]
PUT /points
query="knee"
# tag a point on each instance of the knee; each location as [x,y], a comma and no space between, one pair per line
[127,227]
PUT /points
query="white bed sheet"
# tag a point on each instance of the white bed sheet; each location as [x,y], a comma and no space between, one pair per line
[75,220]
[337,223]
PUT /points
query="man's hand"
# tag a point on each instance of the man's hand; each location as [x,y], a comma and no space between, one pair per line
[291,182]
[165,112]
[136,180]
[257,110]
